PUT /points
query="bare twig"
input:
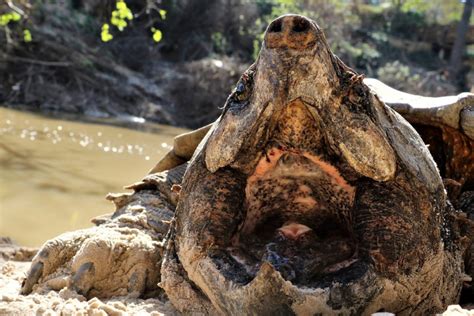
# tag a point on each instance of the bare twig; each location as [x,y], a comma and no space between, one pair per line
[8,36]
[34,61]
[15,8]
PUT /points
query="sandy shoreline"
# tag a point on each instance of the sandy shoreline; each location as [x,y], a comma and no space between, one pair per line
[14,264]
[66,302]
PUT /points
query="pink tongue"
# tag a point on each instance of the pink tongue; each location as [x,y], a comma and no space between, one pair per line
[293,230]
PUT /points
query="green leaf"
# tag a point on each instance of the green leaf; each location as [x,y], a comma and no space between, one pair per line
[4,19]
[27,36]
[121,5]
[8,17]
[126,14]
[106,36]
[157,35]
[15,16]
[162,14]
[115,21]
[121,25]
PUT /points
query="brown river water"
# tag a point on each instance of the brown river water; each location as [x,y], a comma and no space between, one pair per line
[54,173]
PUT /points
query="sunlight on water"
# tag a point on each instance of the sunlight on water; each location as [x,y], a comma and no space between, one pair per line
[54,174]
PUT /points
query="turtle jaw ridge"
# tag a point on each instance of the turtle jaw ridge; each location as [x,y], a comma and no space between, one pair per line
[357,289]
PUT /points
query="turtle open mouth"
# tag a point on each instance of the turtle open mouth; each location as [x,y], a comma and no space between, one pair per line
[298,207]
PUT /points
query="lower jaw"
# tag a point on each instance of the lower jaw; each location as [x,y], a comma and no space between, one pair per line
[355,290]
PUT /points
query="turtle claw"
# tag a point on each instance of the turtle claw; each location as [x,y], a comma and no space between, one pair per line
[116,258]
[83,279]
[467,119]
[34,274]
[137,283]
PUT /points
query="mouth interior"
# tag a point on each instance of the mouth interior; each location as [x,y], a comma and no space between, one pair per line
[298,213]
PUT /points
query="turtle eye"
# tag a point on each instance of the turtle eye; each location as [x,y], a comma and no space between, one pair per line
[238,100]
[240,97]
[240,88]
[242,91]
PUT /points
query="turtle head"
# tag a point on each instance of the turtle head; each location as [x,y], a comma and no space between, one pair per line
[297,81]
[295,61]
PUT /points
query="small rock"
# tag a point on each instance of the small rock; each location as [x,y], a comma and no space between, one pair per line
[456,310]
[8,298]
[67,294]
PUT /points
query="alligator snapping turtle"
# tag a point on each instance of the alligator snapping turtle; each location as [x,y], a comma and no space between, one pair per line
[308,195]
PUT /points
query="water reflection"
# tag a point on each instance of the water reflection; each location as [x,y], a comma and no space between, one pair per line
[55,173]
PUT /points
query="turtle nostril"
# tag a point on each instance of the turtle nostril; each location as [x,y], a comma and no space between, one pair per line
[275,27]
[291,31]
[300,25]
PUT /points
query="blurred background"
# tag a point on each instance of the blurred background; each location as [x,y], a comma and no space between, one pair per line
[85,84]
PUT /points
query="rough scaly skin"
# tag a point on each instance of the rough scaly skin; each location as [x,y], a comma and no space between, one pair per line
[307,110]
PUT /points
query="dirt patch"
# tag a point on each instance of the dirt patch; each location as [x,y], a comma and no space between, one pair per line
[66,301]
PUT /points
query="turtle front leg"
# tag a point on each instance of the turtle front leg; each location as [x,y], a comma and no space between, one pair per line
[119,257]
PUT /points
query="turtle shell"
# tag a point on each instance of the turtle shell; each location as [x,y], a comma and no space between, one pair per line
[446,125]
